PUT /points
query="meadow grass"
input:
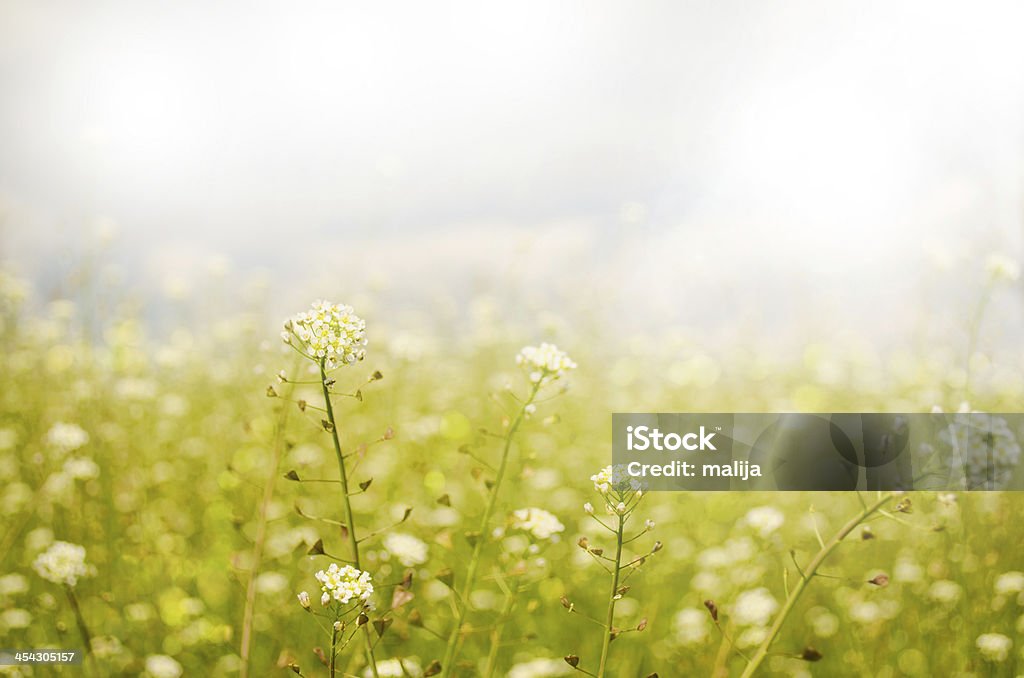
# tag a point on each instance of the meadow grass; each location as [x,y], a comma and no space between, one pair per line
[208,507]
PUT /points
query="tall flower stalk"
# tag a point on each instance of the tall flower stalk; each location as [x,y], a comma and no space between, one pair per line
[333,336]
[64,563]
[621,499]
[807,573]
[544,364]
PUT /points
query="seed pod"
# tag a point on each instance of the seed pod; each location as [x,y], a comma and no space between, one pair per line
[810,654]
[572,660]
[880,580]
[712,608]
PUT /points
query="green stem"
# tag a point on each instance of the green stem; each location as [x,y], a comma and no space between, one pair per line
[350,526]
[499,629]
[610,616]
[451,651]
[83,628]
[334,650]
[802,583]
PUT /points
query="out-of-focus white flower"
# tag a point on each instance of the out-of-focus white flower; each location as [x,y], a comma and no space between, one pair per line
[162,666]
[81,468]
[754,607]
[271,582]
[344,583]
[540,668]
[538,522]
[995,647]
[865,612]
[1001,268]
[66,437]
[303,599]
[13,584]
[544,363]
[649,524]
[397,668]
[945,591]
[62,563]
[331,332]
[16,618]
[1009,583]
[764,519]
[409,550]
[588,508]
[603,480]
[690,626]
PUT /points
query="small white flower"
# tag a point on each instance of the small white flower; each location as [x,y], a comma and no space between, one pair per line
[325,599]
[620,507]
[994,647]
[81,468]
[1009,583]
[588,508]
[162,666]
[764,519]
[538,522]
[603,480]
[945,591]
[62,563]
[754,607]
[66,437]
[649,524]
[691,626]
[545,363]
[304,599]
[409,550]
[529,410]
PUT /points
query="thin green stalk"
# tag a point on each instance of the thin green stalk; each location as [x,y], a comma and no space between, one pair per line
[610,616]
[499,629]
[334,650]
[451,651]
[349,522]
[808,574]
[259,543]
[83,628]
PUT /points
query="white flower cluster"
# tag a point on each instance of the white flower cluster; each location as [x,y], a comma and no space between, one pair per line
[344,583]
[985,453]
[162,666]
[764,519]
[754,607]
[1010,583]
[66,437]
[330,332]
[409,550]
[995,647]
[545,363]
[603,480]
[62,563]
[538,522]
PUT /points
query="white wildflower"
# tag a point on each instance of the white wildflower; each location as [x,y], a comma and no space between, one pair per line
[945,591]
[588,508]
[81,468]
[304,599]
[1009,583]
[754,607]
[764,519]
[995,647]
[16,618]
[66,437]
[62,563]
[603,480]
[538,522]
[344,583]
[409,550]
[162,666]
[545,363]
[330,332]
[690,626]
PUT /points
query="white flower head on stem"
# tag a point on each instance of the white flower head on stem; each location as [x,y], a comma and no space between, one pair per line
[329,332]
[995,647]
[344,584]
[544,363]
[62,563]
[304,599]
[538,522]
[603,480]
